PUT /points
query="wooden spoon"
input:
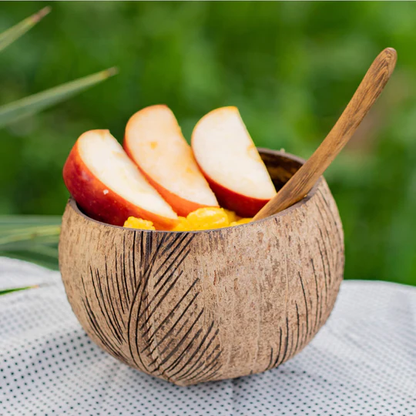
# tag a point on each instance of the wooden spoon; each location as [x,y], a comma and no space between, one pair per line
[304,179]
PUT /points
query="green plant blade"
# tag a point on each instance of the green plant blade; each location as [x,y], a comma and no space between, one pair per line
[33,256]
[14,226]
[16,289]
[25,238]
[33,104]
[23,221]
[27,241]
[10,35]
[31,238]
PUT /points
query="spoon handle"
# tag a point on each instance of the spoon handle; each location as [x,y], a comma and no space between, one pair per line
[367,93]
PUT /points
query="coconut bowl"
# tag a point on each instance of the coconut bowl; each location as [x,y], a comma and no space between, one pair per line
[191,307]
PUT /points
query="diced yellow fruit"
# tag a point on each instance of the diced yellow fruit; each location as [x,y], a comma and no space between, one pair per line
[242,221]
[133,222]
[208,219]
[232,217]
[183,225]
[202,219]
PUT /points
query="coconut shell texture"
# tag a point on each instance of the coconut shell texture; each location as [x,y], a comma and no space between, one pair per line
[191,307]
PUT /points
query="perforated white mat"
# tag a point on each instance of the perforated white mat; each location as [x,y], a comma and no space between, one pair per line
[363,362]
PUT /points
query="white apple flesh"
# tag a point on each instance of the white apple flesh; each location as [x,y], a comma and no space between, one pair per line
[154,141]
[109,187]
[231,163]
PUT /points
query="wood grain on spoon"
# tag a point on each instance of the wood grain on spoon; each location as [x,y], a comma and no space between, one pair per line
[367,93]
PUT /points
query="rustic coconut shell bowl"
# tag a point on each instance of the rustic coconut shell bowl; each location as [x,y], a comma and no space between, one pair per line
[191,307]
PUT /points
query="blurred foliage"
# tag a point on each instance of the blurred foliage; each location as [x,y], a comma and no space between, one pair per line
[35,238]
[12,112]
[289,67]
[12,34]
[31,238]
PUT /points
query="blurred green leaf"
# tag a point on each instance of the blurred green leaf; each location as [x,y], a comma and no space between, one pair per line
[12,112]
[31,238]
[14,33]
[17,289]
[34,256]
[24,221]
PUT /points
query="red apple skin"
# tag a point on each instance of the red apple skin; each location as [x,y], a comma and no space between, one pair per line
[98,201]
[243,205]
[181,206]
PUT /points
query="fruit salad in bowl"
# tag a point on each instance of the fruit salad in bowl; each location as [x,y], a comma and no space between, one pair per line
[157,181]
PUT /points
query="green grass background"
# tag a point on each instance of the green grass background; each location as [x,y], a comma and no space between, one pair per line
[289,67]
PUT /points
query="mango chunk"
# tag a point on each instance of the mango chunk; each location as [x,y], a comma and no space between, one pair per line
[241,221]
[208,218]
[232,216]
[133,222]
[183,225]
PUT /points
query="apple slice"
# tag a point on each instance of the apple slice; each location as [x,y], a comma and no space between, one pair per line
[231,163]
[154,141]
[108,186]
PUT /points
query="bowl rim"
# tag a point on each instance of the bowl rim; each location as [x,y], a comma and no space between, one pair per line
[73,204]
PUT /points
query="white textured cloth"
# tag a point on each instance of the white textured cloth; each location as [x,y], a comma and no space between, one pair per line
[362,362]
